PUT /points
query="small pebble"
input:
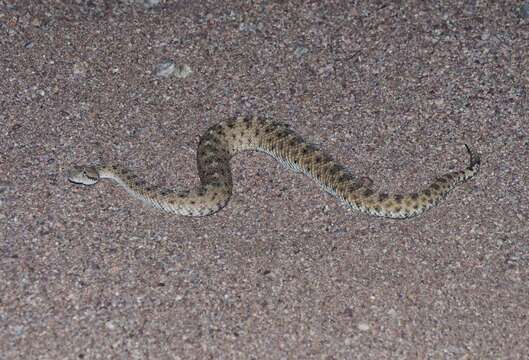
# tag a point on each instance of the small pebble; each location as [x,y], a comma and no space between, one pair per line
[524,10]
[300,51]
[165,69]
[37,22]
[183,71]
[247,27]
[363,326]
[150,3]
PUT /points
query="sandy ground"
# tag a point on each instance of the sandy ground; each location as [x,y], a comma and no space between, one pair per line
[284,272]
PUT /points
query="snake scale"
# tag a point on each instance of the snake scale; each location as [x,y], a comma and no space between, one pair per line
[223,140]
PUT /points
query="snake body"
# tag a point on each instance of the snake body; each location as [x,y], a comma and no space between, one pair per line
[222,141]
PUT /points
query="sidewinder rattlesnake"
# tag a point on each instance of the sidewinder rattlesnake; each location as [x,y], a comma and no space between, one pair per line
[224,140]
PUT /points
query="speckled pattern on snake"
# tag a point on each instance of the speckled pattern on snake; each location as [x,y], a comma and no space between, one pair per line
[224,140]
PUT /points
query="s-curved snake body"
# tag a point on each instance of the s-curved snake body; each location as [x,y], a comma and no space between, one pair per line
[224,140]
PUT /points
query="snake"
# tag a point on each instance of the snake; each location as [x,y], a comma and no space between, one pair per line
[243,133]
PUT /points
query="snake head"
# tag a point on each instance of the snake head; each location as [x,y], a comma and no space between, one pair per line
[86,175]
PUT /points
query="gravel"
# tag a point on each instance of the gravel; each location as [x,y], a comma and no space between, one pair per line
[284,271]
